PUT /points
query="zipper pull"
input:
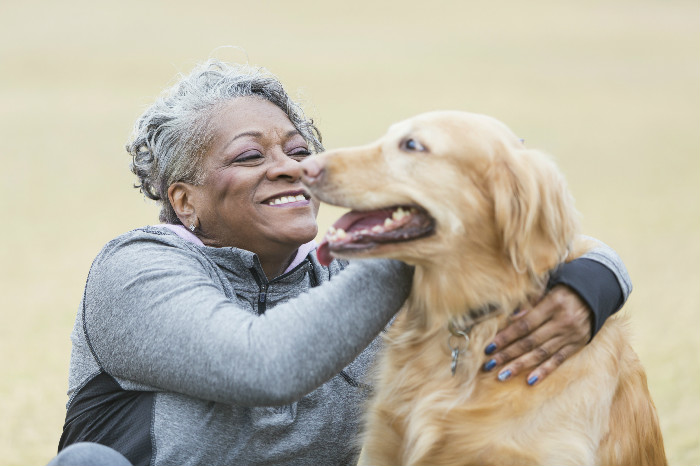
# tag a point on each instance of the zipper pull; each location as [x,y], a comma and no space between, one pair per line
[262,296]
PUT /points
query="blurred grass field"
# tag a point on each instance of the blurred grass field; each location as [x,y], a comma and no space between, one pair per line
[610,88]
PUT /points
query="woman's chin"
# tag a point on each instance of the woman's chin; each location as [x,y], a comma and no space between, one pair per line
[299,235]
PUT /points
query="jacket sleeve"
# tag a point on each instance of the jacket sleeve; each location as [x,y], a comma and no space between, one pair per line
[600,278]
[153,315]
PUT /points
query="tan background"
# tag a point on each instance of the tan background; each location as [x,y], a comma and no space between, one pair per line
[610,88]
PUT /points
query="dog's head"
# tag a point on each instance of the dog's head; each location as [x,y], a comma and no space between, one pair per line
[446,188]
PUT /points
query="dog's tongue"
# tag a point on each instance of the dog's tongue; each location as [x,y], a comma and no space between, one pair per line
[347,222]
[323,253]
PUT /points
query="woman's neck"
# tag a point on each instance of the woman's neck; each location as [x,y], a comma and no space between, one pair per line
[275,265]
[275,260]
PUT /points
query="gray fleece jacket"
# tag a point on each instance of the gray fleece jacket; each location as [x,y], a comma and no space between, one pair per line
[186,354]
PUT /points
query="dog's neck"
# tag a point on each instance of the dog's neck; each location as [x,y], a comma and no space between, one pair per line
[467,297]
[465,322]
[465,312]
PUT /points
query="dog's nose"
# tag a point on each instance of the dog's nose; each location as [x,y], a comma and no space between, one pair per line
[312,170]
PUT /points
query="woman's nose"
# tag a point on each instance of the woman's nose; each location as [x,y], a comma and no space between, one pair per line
[285,168]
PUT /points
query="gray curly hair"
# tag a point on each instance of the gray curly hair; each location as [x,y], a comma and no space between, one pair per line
[171,136]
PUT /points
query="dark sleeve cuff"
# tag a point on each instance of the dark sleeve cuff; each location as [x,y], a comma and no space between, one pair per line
[595,284]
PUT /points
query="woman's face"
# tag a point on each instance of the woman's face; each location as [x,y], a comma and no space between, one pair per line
[252,197]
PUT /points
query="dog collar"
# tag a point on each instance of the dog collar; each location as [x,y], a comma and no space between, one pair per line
[460,327]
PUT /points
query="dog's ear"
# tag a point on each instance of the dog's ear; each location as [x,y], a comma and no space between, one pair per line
[534,213]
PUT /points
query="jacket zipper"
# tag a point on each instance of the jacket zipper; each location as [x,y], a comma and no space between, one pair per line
[262,298]
[264,285]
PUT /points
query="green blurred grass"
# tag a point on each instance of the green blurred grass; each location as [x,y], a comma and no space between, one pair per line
[610,88]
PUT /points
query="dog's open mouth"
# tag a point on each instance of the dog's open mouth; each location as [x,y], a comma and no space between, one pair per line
[357,231]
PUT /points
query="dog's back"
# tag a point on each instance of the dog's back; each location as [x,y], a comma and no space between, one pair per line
[634,433]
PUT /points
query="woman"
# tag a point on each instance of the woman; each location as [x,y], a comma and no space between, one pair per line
[217,337]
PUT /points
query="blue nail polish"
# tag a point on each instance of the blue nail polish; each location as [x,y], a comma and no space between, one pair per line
[503,376]
[491,348]
[532,380]
[490,365]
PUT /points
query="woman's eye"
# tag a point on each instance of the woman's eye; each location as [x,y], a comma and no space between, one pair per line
[412,145]
[300,152]
[248,156]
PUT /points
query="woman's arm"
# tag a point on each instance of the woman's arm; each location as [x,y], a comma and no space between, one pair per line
[582,294]
[154,315]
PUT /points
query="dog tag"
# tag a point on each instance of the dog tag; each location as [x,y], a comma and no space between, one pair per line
[455,349]
[455,355]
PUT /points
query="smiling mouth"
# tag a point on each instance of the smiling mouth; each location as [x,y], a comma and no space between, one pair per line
[360,231]
[288,198]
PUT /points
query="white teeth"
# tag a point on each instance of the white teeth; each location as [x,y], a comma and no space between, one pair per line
[336,234]
[399,214]
[287,199]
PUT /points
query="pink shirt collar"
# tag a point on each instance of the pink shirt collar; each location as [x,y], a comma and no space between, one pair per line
[187,235]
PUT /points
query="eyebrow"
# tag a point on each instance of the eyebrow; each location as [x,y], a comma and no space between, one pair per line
[259,134]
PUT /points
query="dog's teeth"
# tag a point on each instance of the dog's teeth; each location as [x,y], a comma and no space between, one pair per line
[331,231]
[364,231]
[378,228]
[399,214]
[388,222]
[340,234]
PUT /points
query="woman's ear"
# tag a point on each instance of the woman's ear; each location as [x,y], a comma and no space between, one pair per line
[181,196]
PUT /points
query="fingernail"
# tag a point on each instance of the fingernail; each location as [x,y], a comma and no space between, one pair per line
[532,380]
[504,375]
[491,348]
[490,365]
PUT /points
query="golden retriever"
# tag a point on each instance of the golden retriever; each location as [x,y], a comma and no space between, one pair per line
[483,219]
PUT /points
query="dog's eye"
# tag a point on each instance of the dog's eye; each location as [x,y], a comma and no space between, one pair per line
[411,145]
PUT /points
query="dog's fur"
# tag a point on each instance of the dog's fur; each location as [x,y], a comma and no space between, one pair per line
[503,219]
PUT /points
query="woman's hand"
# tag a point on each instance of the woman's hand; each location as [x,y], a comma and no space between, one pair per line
[541,337]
